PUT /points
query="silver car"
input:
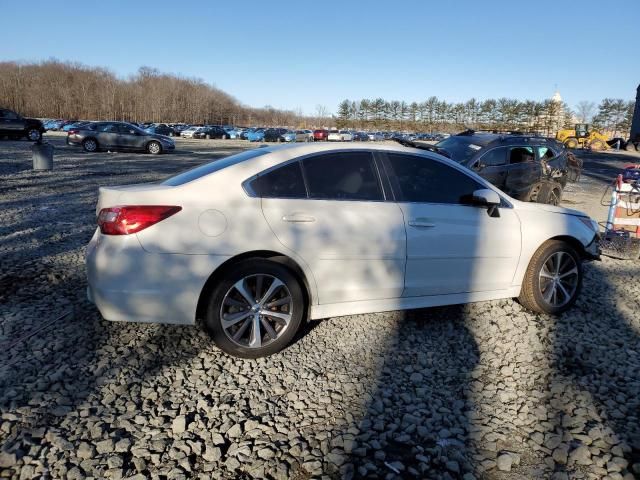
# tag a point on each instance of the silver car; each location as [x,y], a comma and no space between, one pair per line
[118,136]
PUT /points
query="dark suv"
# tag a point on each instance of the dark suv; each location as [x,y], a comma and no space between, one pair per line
[274,134]
[16,126]
[525,167]
[211,131]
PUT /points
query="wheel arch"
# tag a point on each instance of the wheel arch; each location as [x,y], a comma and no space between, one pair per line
[575,244]
[278,257]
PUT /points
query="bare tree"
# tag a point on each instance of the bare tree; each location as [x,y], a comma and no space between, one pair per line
[585,111]
[54,89]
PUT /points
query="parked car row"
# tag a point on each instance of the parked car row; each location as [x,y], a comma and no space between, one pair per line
[259,134]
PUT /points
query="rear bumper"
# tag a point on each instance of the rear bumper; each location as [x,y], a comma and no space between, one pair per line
[128,284]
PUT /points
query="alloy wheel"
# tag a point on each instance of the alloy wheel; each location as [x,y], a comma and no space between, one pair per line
[256,311]
[558,279]
[90,145]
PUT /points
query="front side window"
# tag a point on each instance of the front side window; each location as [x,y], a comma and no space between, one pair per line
[129,129]
[283,182]
[521,155]
[342,176]
[545,153]
[423,180]
[9,115]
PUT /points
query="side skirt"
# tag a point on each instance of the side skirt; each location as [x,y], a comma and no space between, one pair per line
[406,303]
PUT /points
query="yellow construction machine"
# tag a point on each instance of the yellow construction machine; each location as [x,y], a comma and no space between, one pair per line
[582,136]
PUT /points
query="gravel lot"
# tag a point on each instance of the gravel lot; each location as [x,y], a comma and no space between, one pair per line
[481,391]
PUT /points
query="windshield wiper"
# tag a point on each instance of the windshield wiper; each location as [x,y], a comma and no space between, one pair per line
[423,146]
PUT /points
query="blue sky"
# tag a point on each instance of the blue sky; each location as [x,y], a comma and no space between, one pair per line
[300,54]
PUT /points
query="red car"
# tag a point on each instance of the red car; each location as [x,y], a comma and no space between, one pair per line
[320,135]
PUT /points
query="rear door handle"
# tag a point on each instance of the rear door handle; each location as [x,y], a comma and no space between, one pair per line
[421,223]
[298,218]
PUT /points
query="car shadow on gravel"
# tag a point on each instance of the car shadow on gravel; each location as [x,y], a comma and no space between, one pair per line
[415,425]
[593,408]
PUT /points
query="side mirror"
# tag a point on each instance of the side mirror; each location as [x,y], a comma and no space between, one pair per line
[487,198]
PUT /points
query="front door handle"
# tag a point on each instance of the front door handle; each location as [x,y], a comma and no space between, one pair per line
[298,218]
[421,223]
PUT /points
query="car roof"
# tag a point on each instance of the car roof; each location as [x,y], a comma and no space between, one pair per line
[486,138]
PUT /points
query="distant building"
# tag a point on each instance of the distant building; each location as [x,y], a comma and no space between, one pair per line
[557,114]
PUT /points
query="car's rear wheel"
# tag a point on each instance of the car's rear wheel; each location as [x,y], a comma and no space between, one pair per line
[548,193]
[90,145]
[256,309]
[571,143]
[34,135]
[553,279]
[154,148]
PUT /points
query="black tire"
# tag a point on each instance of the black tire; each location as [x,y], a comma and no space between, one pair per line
[34,135]
[154,148]
[549,194]
[571,143]
[249,269]
[531,296]
[90,145]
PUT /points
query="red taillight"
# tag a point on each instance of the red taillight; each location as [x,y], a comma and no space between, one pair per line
[72,132]
[132,218]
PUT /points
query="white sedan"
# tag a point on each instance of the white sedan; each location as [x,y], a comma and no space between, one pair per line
[258,242]
[341,136]
[188,133]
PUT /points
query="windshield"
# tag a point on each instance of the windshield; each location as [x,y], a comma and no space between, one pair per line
[460,149]
[212,167]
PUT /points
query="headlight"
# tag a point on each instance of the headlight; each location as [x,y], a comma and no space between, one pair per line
[590,223]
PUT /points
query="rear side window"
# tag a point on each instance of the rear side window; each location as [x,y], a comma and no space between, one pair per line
[108,128]
[495,157]
[283,182]
[423,180]
[212,167]
[342,176]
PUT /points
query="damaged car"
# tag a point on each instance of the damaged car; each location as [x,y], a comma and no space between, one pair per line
[525,167]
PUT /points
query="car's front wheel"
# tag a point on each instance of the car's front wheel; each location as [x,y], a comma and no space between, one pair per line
[256,309]
[154,148]
[553,279]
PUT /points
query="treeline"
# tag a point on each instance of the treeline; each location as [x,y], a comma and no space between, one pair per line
[502,114]
[54,89]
